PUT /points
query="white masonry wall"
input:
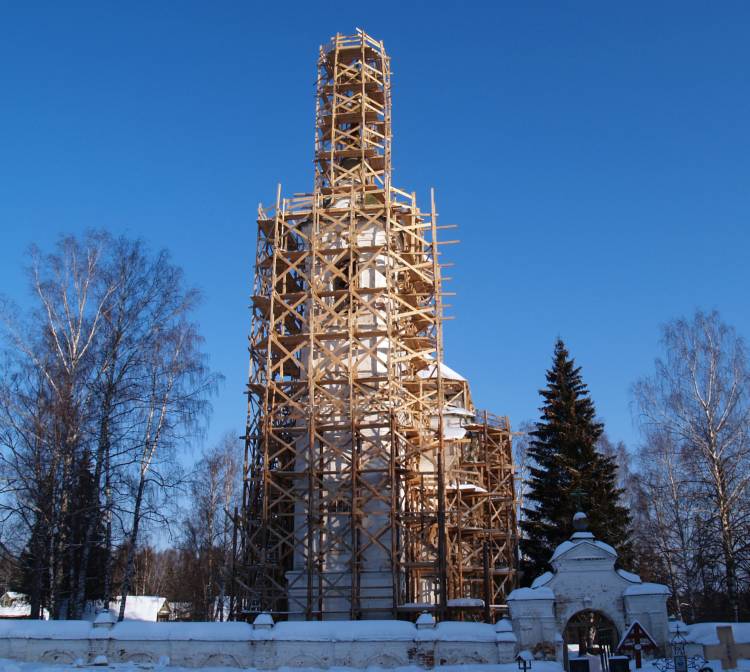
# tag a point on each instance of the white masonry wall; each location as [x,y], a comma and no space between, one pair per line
[585,579]
[324,644]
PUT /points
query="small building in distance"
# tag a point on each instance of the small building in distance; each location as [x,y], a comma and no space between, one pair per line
[12,599]
[181,611]
[16,605]
[143,608]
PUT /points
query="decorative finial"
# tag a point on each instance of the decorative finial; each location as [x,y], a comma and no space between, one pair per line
[580,522]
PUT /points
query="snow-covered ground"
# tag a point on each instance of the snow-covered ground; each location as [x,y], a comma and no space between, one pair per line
[705,633]
[163,666]
[13,666]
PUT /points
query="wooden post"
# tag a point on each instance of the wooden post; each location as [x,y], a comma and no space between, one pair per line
[487,582]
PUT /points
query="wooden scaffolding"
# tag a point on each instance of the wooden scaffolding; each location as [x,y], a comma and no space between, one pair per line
[357,499]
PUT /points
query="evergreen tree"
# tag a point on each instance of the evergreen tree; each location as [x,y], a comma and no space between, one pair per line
[32,579]
[86,507]
[567,473]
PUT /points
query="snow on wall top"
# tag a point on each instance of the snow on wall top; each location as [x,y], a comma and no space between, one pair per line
[347,631]
[33,629]
[542,580]
[181,631]
[705,633]
[504,625]
[646,589]
[504,631]
[541,593]
[305,631]
[629,576]
[567,546]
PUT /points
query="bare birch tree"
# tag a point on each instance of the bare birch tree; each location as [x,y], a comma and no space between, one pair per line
[699,397]
[175,402]
[59,345]
[147,296]
[207,535]
[28,471]
[101,384]
[670,521]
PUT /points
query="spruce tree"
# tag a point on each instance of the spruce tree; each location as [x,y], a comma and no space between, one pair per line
[567,473]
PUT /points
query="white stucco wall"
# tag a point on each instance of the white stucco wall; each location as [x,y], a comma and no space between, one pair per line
[356,644]
[585,578]
[532,613]
[651,613]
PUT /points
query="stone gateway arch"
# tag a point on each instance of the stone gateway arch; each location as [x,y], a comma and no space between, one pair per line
[584,591]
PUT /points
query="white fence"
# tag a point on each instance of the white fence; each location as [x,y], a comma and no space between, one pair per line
[263,645]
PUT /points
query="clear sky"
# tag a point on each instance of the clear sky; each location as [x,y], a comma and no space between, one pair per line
[596,156]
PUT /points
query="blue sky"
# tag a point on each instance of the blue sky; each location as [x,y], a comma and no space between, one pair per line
[596,157]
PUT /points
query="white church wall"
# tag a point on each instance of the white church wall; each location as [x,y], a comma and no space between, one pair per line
[650,610]
[532,612]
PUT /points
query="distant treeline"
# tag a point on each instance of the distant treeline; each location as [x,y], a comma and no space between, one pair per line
[104,385]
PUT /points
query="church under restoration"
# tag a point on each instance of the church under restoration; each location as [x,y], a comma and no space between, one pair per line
[373,486]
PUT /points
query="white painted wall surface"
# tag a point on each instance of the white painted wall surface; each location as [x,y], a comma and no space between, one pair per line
[585,578]
[324,644]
